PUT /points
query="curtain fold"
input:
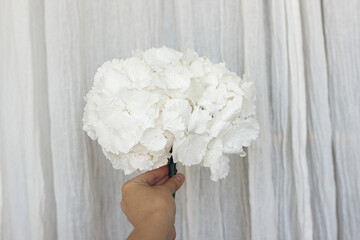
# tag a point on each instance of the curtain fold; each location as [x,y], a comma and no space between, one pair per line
[300,178]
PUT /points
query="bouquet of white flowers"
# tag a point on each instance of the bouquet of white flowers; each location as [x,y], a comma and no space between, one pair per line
[141,108]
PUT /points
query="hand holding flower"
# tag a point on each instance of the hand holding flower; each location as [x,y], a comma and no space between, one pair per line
[149,206]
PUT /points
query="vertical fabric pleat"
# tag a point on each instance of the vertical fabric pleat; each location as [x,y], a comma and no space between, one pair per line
[342,35]
[319,147]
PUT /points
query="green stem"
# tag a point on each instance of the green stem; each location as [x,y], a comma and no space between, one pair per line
[172,167]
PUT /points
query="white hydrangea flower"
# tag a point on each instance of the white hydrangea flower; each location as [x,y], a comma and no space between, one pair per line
[141,107]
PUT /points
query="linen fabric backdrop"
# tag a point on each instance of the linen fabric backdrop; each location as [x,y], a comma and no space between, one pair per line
[300,179]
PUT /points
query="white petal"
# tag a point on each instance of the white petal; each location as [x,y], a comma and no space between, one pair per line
[220,169]
[210,79]
[248,108]
[114,80]
[191,149]
[105,103]
[115,64]
[153,139]
[213,98]
[248,88]
[169,138]
[130,162]
[139,148]
[197,67]
[175,116]
[198,120]
[195,90]
[119,163]
[217,125]
[219,69]
[161,160]
[113,142]
[174,124]
[176,77]
[139,104]
[188,56]
[214,152]
[232,109]
[121,129]
[234,87]
[139,161]
[159,58]
[240,134]
[137,71]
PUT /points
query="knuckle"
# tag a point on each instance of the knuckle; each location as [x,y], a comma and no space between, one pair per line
[125,188]
[122,205]
[175,184]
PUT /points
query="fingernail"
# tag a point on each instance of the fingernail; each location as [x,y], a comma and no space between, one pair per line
[179,177]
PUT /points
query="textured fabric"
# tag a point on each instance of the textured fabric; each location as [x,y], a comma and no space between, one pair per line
[301,177]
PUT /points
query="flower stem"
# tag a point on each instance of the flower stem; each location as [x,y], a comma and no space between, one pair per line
[172,167]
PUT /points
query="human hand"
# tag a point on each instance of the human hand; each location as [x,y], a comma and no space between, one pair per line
[148,203]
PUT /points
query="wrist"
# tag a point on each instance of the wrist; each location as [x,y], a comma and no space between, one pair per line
[157,218]
[157,226]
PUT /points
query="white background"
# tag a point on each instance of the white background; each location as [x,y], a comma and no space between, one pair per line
[301,179]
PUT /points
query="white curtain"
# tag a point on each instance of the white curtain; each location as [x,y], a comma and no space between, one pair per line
[301,179]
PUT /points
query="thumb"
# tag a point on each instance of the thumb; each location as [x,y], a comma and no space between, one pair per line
[174,183]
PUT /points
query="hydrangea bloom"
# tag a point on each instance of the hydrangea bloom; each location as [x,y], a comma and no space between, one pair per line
[141,107]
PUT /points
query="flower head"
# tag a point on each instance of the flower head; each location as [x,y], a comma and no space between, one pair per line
[141,107]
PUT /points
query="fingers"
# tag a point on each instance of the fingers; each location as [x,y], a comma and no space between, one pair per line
[162,181]
[174,183]
[153,176]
